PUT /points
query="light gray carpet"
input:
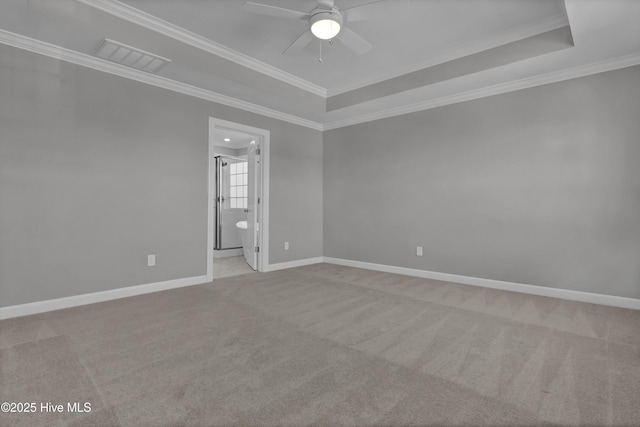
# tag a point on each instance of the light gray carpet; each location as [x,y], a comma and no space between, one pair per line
[327,345]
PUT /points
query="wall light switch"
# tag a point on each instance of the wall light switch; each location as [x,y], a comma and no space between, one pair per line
[151,260]
[286,246]
[419,251]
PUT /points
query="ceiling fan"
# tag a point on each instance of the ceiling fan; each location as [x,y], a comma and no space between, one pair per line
[326,22]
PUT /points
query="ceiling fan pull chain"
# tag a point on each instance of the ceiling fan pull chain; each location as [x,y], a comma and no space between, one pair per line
[320,58]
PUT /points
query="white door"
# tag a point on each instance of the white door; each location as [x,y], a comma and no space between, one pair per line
[253,165]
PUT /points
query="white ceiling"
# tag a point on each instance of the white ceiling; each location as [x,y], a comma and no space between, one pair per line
[237,140]
[223,53]
[405,34]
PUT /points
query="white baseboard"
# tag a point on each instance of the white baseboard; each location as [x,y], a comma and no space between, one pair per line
[566,294]
[76,300]
[293,264]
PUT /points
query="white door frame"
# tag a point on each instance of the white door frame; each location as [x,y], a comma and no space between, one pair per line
[263,138]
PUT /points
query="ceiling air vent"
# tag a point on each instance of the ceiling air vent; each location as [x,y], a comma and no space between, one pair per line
[131,56]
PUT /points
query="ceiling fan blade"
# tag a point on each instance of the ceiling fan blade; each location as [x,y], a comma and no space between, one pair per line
[300,42]
[353,41]
[357,13]
[279,12]
[367,3]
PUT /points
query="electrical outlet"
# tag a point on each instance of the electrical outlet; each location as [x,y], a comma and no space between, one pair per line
[286,246]
[419,251]
[151,260]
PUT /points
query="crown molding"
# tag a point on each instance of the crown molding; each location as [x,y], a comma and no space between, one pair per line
[539,80]
[143,19]
[550,24]
[95,63]
[146,20]
[67,55]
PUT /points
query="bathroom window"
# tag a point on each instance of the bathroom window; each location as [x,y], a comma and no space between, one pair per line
[239,179]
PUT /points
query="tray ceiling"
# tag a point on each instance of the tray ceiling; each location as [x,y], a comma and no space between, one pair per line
[425,52]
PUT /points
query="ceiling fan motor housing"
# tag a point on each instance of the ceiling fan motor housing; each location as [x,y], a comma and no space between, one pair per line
[323,16]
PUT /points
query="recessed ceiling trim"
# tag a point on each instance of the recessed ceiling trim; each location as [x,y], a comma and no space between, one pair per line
[138,17]
[512,86]
[89,61]
[509,53]
[552,23]
[57,52]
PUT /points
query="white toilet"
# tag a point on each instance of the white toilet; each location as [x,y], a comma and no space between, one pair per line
[242,229]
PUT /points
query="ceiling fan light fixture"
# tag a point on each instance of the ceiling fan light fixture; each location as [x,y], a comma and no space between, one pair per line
[325,29]
[326,25]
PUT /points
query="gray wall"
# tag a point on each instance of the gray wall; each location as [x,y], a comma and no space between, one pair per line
[97,171]
[539,186]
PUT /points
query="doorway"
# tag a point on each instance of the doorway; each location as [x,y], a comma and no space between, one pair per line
[238,198]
